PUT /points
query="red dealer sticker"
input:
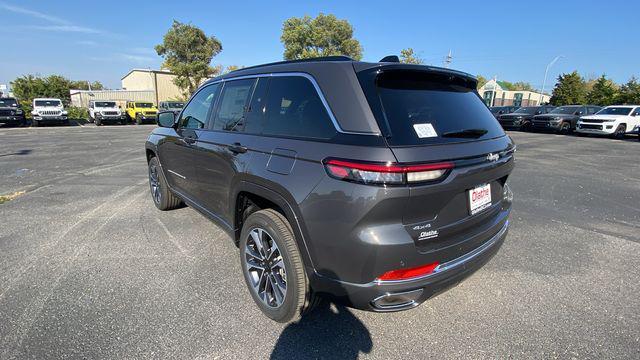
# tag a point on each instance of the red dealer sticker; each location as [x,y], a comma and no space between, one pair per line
[479,198]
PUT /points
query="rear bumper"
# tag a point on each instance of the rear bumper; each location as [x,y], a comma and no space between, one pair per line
[389,296]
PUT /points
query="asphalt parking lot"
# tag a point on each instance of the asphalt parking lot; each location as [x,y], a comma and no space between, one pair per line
[90,269]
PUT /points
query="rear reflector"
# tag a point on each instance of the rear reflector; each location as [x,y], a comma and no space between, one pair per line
[387,173]
[410,273]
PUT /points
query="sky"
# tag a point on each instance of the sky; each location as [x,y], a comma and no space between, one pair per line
[510,40]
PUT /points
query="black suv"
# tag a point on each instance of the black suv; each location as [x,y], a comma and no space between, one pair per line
[563,119]
[521,119]
[11,113]
[377,185]
[499,110]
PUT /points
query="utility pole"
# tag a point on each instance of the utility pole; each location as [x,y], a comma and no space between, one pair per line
[495,91]
[448,59]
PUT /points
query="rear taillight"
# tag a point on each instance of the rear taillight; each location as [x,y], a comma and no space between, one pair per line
[387,173]
[409,273]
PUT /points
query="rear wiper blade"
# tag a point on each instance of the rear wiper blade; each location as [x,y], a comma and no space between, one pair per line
[466,133]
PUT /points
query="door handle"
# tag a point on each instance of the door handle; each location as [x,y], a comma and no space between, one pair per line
[237,148]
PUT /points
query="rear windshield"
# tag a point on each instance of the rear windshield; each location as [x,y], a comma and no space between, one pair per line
[418,107]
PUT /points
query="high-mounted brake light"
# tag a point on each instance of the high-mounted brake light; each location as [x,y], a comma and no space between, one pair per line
[409,273]
[386,174]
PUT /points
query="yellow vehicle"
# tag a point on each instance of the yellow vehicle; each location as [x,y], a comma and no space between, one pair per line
[141,111]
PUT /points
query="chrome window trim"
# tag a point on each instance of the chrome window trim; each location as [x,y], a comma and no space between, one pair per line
[336,125]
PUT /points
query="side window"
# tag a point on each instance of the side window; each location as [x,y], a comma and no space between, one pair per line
[233,103]
[195,114]
[295,109]
[255,117]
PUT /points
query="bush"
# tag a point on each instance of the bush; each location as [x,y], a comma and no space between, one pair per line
[77,113]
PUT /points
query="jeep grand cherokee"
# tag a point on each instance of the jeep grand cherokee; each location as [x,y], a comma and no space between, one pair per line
[377,185]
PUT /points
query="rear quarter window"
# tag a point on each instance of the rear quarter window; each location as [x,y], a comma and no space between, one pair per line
[294,108]
[405,101]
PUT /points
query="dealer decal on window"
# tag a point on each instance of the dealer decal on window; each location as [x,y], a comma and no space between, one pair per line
[425,130]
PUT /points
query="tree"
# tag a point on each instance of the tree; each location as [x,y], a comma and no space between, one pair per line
[570,89]
[187,52]
[325,35]
[481,81]
[408,56]
[28,87]
[629,92]
[522,86]
[603,92]
[231,68]
[84,85]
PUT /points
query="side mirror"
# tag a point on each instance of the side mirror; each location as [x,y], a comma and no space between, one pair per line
[166,119]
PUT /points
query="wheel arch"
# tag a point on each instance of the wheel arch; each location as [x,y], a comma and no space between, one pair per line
[249,197]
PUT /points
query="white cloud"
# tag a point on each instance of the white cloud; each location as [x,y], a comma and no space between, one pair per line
[57,24]
[87,43]
[64,28]
[33,13]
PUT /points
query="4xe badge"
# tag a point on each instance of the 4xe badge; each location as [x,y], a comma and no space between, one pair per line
[423,231]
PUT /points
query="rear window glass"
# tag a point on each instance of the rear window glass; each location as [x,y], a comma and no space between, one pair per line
[418,107]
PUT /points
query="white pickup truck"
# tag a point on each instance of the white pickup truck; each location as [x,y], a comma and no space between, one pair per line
[615,121]
[48,110]
[101,112]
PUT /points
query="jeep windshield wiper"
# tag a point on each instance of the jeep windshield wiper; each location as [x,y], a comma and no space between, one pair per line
[466,133]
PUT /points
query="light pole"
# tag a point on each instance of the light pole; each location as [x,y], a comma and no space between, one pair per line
[544,82]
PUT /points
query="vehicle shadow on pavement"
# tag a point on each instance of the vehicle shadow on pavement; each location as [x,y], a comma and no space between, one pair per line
[19,152]
[327,333]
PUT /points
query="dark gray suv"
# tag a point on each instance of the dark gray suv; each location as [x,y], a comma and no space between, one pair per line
[376,185]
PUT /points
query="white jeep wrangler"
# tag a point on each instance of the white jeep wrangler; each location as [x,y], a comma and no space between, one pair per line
[105,111]
[48,110]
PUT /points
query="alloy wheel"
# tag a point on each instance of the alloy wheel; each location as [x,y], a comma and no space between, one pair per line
[154,183]
[265,268]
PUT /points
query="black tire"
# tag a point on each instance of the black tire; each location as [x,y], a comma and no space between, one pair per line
[298,298]
[163,199]
[620,132]
[98,122]
[35,123]
[565,128]
[138,119]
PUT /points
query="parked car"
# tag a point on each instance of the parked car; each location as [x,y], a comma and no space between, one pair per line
[141,111]
[11,112]
[48,110]
[615,121]
[324,195]
[175,106]
[102,112]
[563,119]
[521,118]
[500,110]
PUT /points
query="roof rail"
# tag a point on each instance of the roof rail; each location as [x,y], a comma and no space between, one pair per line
[316,59]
